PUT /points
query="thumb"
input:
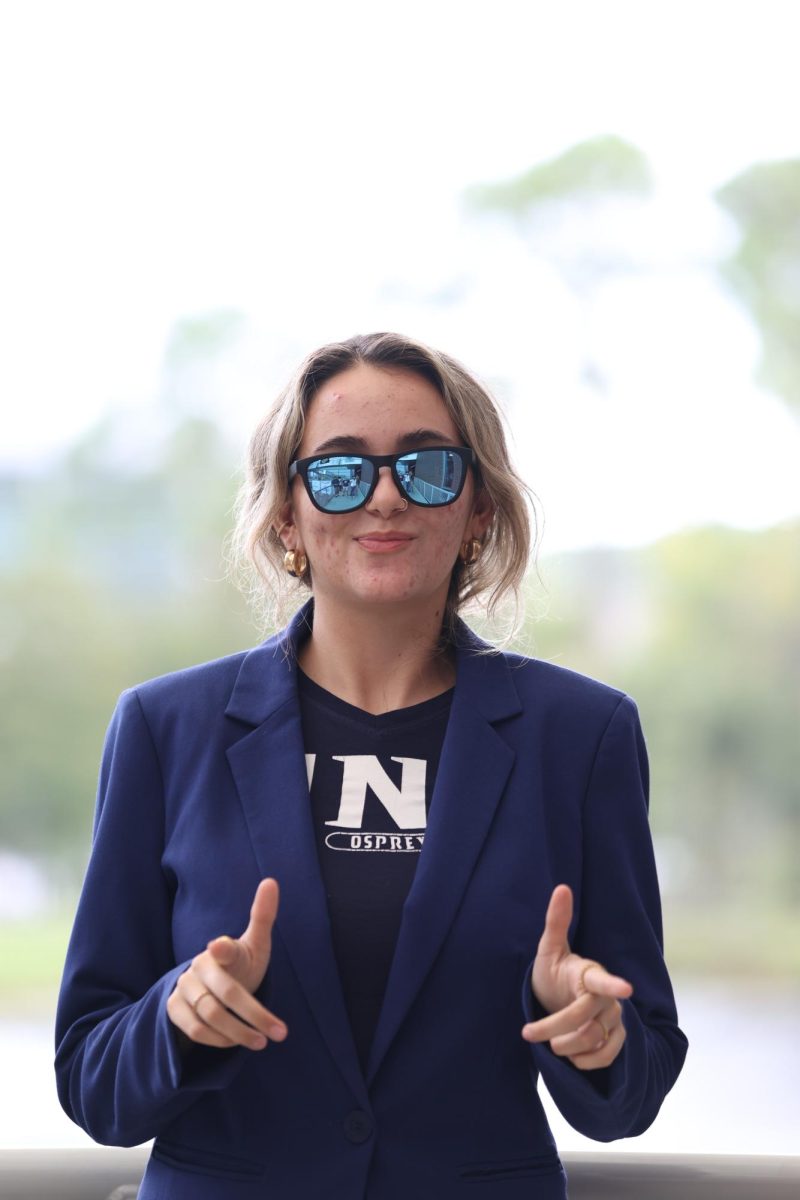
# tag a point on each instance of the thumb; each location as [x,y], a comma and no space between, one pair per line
[257,938]
[556,923]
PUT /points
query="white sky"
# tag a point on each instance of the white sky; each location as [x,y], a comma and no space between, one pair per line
[305,166]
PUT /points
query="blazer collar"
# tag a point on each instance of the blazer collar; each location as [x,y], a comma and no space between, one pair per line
[268,675]
[267,678]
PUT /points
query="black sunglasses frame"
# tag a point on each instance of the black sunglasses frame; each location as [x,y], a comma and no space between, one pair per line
[301,465]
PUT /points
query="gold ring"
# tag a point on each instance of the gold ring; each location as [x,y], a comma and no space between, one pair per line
[606,1032]
[194,1003]
[588,967]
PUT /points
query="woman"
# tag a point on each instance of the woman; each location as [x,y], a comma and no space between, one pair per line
[378,1033]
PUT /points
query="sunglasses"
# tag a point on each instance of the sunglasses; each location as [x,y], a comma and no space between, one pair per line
[340,483]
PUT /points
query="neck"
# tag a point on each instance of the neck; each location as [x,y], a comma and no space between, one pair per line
[378,660]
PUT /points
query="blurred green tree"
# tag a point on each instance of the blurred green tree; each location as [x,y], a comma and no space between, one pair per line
[702,629]
[764,270]
[588,171]
[115,572]
[577,211]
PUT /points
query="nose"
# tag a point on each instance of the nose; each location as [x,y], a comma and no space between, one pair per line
[387,497]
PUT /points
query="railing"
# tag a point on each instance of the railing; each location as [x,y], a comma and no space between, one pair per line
[429,491]
[106,1174]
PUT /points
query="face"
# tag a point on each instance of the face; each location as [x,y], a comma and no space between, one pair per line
[386,411]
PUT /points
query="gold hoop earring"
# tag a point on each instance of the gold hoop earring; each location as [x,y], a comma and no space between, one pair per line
[470,551]
[295,563]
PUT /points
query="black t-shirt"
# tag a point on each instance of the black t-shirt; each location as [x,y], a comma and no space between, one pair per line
[371,780]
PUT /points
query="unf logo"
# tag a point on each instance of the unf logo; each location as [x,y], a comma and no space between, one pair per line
[404,804]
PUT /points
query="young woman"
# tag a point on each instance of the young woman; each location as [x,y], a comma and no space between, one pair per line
[468,897]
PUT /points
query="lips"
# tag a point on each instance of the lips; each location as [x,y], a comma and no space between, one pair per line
[386,536]
[384,541]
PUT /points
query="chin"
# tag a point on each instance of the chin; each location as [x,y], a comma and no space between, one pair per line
[387,591]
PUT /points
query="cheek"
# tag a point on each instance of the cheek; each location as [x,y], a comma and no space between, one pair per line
[454,527]
[449,535]
[325,538]
[440,545]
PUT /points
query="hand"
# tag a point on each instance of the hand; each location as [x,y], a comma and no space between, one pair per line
[586,1022]
[213,1002]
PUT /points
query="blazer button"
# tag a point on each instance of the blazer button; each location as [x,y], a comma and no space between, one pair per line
[358,1126]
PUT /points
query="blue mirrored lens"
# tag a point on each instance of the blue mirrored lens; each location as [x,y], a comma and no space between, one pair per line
[340,483]
[430,476]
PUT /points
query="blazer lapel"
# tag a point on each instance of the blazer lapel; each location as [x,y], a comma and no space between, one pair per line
[473,770]
[269,770]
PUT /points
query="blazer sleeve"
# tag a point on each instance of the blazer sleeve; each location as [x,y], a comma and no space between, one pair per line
[120,1072]
[618,923]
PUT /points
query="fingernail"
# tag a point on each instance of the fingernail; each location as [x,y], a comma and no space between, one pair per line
[258,1042]
[277,1031]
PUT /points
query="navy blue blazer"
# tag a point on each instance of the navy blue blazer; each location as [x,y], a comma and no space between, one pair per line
[203,792]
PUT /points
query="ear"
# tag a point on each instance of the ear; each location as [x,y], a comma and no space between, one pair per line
[482,514]
[285,527]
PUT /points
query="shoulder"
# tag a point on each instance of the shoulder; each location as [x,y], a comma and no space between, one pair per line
[199,676]
[199,689]
[536,675]
[535,680]
[549,702]
[245,686]
[558,691]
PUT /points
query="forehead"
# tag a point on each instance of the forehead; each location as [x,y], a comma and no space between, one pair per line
[376,405]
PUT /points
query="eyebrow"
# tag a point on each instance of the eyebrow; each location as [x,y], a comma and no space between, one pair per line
[405,441]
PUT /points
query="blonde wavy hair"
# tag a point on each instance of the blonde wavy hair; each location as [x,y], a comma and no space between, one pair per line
[256,551]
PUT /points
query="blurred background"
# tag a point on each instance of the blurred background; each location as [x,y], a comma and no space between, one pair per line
[596,206]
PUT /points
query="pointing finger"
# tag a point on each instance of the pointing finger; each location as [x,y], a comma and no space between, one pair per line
[595,979]
[230,1007]
[566,1020]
